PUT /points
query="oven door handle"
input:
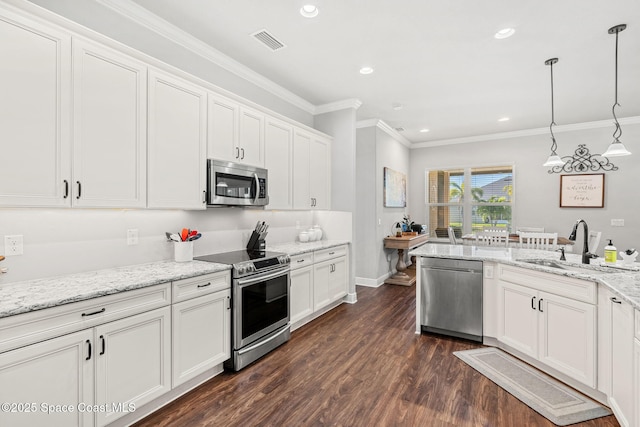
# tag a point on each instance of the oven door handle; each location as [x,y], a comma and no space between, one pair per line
[261,343]
[260,278]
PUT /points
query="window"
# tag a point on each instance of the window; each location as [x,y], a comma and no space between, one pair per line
[487,204]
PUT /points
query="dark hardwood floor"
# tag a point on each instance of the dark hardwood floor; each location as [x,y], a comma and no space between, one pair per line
[358,365]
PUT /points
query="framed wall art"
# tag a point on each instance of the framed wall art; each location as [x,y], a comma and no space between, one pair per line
[395,189]
[582,191]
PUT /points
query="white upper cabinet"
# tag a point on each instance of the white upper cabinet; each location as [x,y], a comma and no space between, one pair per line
[311,171]
[177,143]
[279,161]
[35,79]
[236,132]
[110,100]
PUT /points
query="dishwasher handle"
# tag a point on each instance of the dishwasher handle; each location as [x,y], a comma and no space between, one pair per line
[461,270]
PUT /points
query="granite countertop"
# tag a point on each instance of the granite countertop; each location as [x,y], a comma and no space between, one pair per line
[37,294]
[623,282]
[296,248]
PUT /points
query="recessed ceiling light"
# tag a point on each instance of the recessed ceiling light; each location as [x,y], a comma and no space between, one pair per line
[503,119]
[424,130]
[309,11]
[504,33]
[366,70]
[397,106]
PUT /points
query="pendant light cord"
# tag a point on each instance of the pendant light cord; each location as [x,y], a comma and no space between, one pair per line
[554,145]
[617,133]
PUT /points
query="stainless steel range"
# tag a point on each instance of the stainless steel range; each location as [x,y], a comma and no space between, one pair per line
[260,303]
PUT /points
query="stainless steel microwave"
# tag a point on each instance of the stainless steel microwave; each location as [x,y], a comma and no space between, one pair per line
[235,184]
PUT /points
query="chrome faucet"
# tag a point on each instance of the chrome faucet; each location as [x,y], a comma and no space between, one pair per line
[586,256]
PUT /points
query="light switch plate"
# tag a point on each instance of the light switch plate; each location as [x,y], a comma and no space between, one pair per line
[13,245]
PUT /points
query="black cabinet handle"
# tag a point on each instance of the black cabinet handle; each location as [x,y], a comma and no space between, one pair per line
[95,312]
[242,157]
[533,301]
[540,305]
[66,189]
[228,303]
[300,260]
[89,355]
[79,189]
[237,152]
[204,197]
[103,345]
[205,285]
[615,300]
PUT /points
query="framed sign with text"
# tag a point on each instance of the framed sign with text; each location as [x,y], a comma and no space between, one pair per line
[582,191]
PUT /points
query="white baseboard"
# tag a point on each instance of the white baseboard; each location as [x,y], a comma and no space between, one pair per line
[351,298]
[373,283]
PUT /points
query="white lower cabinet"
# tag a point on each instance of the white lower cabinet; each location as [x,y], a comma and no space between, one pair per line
[301,293]
[58,371]
[201,335]
[557,331]
[133,363]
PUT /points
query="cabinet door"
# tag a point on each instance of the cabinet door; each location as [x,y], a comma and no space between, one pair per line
[302,293]
[201,331]
[518,318]
[319,173]
[321,278]
[278,161]
[54,372]
[133,362]
[621,398]
[34,113]
[222,139]
[110,98]
[177,143]
[567,338]
[301,150]
[338,278]
[251,137]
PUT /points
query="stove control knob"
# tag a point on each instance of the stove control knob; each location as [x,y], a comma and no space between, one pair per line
[241,269]
[251,268]
[284,259]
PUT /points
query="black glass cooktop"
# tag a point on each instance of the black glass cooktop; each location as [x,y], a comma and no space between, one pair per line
[236,257]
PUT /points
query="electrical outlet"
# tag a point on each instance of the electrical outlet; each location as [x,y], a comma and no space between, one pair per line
[13,245]
[488,272]
[617,222]
[132,236]
[379,221]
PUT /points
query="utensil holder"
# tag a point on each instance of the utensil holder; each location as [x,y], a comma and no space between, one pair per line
[183,251]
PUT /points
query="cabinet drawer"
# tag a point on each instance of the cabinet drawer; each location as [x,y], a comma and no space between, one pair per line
[28,328]
[202,285]
[638,328]
[301,260]
[581,290]
[325,254]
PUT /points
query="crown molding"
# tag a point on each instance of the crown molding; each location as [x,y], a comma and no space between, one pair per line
[338,105]
[152,22]
[385,128]
[527,132]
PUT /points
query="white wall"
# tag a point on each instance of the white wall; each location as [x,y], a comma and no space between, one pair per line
[64,241]
[537,192]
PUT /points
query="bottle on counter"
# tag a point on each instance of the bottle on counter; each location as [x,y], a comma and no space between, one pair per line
[610,254]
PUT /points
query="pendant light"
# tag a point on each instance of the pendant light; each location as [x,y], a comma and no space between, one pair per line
[616,148]
[554,159]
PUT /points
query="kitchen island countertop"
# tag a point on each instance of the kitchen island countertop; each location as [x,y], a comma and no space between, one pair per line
[37,294]
[624,283]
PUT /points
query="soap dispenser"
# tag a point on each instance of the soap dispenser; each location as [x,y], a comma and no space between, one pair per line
[610,254]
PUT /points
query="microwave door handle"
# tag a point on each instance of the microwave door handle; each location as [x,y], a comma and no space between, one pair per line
[255,176]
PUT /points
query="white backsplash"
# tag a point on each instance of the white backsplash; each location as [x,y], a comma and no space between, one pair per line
[64,241]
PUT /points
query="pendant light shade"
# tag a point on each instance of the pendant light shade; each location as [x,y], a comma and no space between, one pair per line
[616,148]
[554,159]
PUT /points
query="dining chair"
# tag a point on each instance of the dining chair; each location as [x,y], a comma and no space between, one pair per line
[492,237]
[545,241]
[452,235]
[594,240]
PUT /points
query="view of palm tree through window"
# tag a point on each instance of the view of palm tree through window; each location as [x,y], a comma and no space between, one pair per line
[485,195]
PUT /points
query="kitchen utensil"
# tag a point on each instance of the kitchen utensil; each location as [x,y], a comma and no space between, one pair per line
[168,235]
[184,234]
[1,257]
[194,237]
[175,237]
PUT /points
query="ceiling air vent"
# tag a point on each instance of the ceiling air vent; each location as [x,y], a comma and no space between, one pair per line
[268,40]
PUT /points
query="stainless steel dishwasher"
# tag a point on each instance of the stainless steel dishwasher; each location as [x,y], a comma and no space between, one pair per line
[451,297]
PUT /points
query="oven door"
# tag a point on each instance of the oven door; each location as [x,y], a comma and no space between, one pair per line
[261,305]
[235,184]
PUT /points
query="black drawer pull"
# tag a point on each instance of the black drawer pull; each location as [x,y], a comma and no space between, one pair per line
[89,355]
[300,260]
[95,312]
[615,300]
[103,345]
[205,285]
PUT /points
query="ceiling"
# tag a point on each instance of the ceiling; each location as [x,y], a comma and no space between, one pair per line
[438,59]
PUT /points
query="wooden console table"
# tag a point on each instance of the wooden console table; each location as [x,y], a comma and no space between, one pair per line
[404,276]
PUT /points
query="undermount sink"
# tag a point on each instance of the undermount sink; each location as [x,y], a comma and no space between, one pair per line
[569,267]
